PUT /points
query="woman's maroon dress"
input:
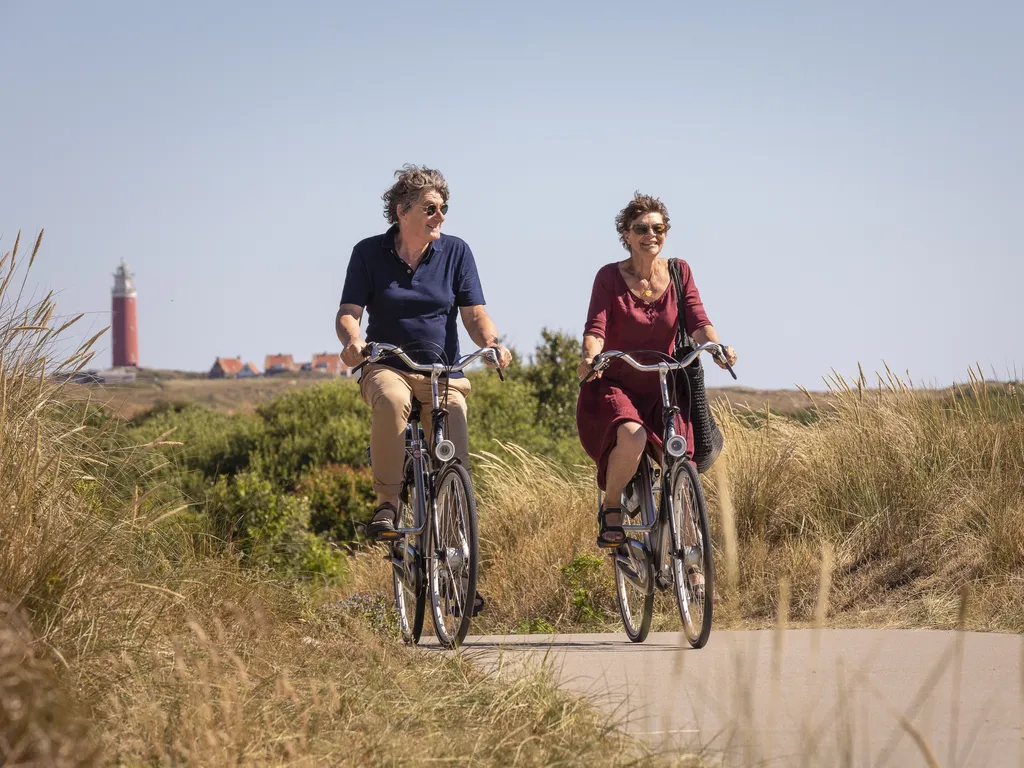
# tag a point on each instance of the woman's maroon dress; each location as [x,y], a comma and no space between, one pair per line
[627,323]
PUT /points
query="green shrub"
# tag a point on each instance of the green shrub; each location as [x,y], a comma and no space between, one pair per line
[586,578]
[271,528]
[212,443]
[339,496]
[326,424]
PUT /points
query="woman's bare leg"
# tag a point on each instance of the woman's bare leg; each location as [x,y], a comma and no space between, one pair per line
[630,442]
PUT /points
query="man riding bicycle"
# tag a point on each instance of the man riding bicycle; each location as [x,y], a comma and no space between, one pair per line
[413,282]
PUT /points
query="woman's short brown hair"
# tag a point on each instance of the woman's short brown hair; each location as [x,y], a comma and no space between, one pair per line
[412,181]
[638,206]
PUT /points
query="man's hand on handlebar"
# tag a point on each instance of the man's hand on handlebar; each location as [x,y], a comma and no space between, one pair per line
[353,353]
[504,356]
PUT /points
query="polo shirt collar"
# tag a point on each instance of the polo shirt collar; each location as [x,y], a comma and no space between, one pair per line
[388,245]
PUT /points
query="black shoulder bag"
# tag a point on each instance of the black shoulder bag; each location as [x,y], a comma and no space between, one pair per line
[707,437]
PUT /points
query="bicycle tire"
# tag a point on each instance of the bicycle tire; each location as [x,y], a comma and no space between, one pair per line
[454,556]
[687,497]
[408,572]
[634,570]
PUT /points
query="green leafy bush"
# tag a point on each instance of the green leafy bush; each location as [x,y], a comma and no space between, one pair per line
[326,424]
[270,527]
[339,496]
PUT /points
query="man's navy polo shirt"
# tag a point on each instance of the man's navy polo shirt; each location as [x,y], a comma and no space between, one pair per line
[413,309]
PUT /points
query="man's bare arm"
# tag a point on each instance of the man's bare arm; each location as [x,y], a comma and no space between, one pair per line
[483,332]
[346,324]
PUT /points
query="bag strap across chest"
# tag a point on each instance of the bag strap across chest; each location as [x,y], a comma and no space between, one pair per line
[683,340]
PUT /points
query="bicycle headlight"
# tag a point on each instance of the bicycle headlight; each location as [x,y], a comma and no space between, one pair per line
[676,446]
[445,450]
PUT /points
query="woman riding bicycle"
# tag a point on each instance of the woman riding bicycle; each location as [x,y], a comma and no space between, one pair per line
[413,281]
[633,307]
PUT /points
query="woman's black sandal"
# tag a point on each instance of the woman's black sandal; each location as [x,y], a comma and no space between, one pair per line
[619,535]
[382,526]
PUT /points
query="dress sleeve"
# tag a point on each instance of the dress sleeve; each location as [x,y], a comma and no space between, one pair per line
[693,308]
[600,306]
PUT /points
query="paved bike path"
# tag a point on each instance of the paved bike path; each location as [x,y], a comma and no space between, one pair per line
[838,699]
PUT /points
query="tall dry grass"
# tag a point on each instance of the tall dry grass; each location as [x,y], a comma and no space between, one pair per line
[917,493]
[126,637]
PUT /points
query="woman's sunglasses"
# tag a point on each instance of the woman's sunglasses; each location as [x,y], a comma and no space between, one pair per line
[643,229]
[431,209]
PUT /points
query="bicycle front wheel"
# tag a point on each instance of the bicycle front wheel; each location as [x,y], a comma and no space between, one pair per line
[693,570]
[454,557]
[407,568]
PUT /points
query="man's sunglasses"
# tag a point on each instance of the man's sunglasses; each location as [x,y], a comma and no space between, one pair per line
[431,209]
[643,229]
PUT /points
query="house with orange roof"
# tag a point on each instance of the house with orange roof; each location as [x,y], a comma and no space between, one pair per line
[232,368]
[279,363]
[226,368]
[329,363]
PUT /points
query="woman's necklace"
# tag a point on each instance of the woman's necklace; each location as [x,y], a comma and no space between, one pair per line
[645,282]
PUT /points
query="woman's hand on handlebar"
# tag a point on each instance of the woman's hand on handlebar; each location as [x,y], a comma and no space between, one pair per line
[586,368]
[730,358]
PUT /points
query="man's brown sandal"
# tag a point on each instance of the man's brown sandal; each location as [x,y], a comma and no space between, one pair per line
[382,526]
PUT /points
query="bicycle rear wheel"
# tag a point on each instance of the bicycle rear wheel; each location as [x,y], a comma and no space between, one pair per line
[693,569]
[407,568]
[454,557]
[634,586]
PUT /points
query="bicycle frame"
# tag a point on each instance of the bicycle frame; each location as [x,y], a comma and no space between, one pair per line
[444,450]
[655,522]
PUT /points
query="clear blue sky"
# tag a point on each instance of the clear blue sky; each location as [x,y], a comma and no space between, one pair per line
[846,180]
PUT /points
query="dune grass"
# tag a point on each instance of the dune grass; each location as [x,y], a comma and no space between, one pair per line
[129,636]
[918,494]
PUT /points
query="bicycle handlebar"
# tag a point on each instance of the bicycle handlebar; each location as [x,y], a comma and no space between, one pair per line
[602,360]
[376,351]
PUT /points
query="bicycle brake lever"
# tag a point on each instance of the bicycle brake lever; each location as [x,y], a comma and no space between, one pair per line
[496,359]
[720,357]
[366,354]
[589,376]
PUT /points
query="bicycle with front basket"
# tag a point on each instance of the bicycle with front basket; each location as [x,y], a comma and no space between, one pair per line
[671,545]
[435,546]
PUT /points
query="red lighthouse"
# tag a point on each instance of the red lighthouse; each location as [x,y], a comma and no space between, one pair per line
[125,324]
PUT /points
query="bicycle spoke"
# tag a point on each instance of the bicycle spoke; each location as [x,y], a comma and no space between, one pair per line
[454,557]
[407,569]
[692,567]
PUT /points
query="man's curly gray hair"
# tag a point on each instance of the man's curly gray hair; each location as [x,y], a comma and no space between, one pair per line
[412,181]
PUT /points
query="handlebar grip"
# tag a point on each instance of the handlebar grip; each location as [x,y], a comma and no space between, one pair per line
[722,358]
[497,362]
[366,354]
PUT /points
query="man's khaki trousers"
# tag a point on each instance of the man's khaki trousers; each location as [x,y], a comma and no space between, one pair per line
[389,393]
